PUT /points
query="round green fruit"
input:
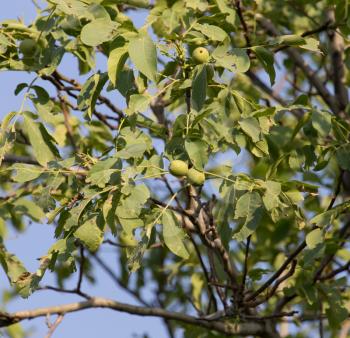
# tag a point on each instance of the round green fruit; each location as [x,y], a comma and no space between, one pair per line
[178,168]
[200,55]
[28,47]
[195,177]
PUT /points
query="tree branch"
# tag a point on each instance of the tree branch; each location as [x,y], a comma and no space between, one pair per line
[244,329]
[337,57]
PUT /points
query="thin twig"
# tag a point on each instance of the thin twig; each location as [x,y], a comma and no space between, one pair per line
[245,269]
[53,327]
[81,268]
[239,12]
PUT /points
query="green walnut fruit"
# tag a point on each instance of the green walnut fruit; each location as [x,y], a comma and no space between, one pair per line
[28,47]
[195,177]
[200,55]
[178,168]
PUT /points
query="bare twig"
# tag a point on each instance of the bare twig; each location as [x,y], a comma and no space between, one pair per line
[81,269]
[53,327]
[245,269]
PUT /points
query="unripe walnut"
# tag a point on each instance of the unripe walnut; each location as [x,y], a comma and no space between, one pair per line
[195,177]
[200,55]
[178,168]
[28,47]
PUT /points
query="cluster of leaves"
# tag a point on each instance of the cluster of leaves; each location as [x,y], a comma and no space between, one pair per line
[72,158]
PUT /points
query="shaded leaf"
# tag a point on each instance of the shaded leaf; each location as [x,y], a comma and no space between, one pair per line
[43,147]
[199,87]
[173,235]
[90,234]
[249,207]
[90,92]
[197,151]
[266,58]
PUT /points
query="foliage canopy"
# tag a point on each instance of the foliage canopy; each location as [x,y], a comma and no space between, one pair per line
[259,249]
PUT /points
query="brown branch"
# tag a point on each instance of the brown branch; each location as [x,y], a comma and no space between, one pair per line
[290,258]
[77,86]
[326,260]
[345,267]
[70,291]
[275,287]
[338,67]
[206,275]
[239,12]
[243,329]
[19,159]
[245,269]
[81,269]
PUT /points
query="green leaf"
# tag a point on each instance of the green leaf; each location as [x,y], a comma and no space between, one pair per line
[236,61]
[197,151]
[116,59]
[28,207]
[329,216]
[199,87]
[343,156]
[98,31]
[214,33]
[311,44]
[266,58]
[336,314]
[26,172]
[138,103]
[90,92]
[130,207]
[223,209]
[197,283]
[173,235]
[135,254]
[271,196]
[12,266]
[43,147]
[136,144]
[100,173]
[322,122]
[109,209]
[90,234]
[143,54]
[251,127]
[314,238]
[231,14]
[249,207]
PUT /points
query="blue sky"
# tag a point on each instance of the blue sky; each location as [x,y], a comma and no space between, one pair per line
[39,237]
